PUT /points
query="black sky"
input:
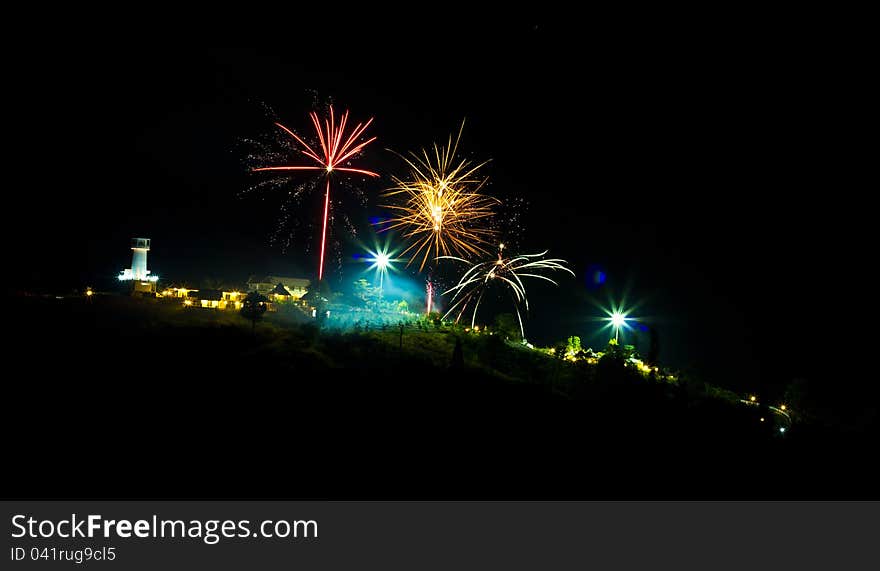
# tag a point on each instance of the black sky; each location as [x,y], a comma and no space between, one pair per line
[694,166]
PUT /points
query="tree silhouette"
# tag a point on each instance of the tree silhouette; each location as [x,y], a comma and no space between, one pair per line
[365,292]
[435,318]
[457,356]
[654,351]
[507,326]
[253,307]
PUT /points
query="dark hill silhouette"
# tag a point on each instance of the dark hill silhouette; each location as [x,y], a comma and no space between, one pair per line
[126,397]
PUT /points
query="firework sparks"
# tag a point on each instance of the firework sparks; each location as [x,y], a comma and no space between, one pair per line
[508,272]
[336,150]
[441,209]
[429,291]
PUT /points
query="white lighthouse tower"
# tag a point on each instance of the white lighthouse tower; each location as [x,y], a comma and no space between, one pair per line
[139,248]
[138,272]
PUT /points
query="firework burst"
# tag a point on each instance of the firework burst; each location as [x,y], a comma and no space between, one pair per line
[508,272]
[335,150]
[440,208]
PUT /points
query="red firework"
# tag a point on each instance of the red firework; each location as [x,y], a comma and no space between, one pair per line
[429,288]
[336,149]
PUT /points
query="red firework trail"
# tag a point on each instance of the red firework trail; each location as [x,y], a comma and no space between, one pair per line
[430,289]
[336,149]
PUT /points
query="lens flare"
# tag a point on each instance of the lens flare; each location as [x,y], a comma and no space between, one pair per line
[381,260]
[617,319]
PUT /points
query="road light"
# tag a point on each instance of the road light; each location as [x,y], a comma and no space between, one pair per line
[618,320]
[782,407]
[381,261]
[617,316]
[752,399]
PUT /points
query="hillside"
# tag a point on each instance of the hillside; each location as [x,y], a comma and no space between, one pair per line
[131,394]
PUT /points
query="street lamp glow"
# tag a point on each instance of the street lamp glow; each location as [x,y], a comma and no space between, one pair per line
[618,320]
[617,317]
[381,260]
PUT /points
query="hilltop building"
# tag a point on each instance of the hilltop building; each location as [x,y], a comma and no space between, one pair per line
[295,288]
[138,274]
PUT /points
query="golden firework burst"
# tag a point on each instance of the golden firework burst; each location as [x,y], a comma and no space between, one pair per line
[439,207]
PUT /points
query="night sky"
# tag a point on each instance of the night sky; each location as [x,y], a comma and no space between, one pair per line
[684,164]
